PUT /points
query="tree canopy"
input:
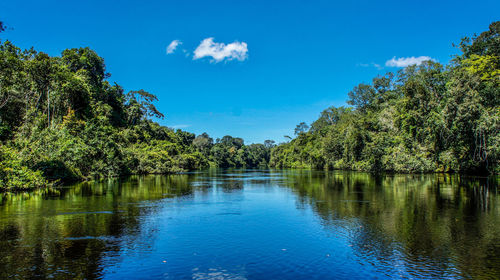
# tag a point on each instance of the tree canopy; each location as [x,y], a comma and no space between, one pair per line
[424,118]
[61,119]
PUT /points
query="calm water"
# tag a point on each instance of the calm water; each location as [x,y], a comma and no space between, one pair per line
[256,225]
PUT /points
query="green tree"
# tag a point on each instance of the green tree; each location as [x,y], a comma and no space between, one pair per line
[301,128]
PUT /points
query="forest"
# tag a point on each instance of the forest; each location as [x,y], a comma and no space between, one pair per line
[62,120]
[424,118]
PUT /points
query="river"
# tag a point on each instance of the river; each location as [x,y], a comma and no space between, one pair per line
[255,224]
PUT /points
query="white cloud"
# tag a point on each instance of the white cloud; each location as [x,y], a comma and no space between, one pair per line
[407,61]
[173,45]
[221,51]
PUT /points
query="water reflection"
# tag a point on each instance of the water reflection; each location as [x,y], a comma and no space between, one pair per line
[435,225]
[66,232]
[414,226]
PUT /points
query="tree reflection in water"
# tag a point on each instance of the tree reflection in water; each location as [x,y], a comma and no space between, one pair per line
[447,222]
[437,226]
[66,232]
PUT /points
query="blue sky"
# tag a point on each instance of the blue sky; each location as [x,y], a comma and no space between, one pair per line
[291,59]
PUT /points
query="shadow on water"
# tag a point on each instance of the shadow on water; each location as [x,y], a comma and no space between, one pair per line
[422,226]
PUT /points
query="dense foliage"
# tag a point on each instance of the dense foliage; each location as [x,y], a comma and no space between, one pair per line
[61,119]
[424,118]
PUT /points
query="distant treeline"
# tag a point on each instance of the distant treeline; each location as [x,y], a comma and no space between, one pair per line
[62,120]
[425,118]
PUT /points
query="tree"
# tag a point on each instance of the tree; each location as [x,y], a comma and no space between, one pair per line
[139,106]
[88,64]
[301,128]
[487,43]
[41,71]
[327,118]
[230,141]
[203,143]
[186,138]
[384,87]
[269,144]
[362,97]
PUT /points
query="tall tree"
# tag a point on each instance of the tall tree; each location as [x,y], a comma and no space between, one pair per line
[301,128]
